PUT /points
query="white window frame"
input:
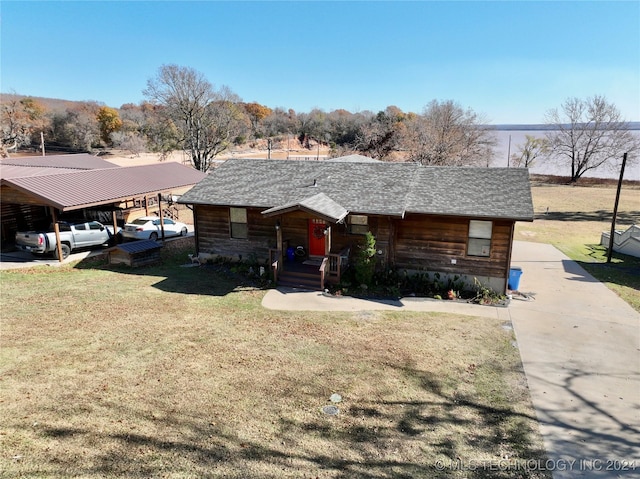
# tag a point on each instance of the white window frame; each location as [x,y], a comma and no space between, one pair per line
[479,238]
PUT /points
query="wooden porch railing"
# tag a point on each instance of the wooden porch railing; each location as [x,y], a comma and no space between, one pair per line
[275,258]
[337,263]
[323,271]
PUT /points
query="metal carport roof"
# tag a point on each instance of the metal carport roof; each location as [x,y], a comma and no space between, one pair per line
[82,189]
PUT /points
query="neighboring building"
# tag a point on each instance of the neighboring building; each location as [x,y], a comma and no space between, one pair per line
[449,220]
[36,191]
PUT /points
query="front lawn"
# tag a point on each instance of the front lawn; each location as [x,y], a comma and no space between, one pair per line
[179,372]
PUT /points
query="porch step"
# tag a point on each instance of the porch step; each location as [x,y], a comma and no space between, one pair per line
[296,279]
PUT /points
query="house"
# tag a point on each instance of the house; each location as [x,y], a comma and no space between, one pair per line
[451,220]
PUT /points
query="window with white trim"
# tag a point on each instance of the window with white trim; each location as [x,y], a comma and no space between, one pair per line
[358,224]
[479,238]
[238,223]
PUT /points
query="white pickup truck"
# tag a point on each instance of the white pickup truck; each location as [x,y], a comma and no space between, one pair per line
[72,236]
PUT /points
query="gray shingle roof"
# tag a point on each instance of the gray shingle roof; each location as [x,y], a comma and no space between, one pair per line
[319,203]
[370,188]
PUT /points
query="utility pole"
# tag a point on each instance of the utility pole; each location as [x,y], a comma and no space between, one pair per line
[615,209]
[42,142]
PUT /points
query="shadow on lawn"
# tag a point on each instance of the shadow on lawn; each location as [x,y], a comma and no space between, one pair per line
[623,217]
[624,270]
[179,276]
[369,440]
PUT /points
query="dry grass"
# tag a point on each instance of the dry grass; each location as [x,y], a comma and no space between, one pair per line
[178,372]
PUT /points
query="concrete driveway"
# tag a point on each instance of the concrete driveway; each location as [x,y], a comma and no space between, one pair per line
[580,347]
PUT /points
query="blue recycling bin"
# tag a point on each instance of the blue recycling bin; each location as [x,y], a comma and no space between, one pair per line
[514,278]
[291,253]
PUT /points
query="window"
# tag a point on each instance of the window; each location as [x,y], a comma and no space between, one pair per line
[94,225]
[479,238]
[238,220]
[358,224]
[78,227]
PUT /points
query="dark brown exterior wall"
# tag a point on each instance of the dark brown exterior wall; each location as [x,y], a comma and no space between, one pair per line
[432,242]
[416,242]
[214,237]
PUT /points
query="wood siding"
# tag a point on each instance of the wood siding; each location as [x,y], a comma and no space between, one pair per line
[431,242]
[214,235]
[416,242]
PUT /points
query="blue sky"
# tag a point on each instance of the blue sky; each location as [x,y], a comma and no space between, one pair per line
[510,61]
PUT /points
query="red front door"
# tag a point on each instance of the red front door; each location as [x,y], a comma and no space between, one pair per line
[316,237]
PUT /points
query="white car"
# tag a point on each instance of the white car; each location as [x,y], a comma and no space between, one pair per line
[148,227]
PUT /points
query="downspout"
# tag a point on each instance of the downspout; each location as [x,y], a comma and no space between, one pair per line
[508,268]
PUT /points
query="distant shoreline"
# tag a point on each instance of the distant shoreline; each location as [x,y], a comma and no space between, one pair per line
[633,125]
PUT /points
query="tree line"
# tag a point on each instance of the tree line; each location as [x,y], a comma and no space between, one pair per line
[182,110]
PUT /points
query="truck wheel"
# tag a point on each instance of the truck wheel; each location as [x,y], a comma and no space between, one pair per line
[153,236]
[66,251]
[183,231]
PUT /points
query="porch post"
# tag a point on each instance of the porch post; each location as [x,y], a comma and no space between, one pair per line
[115,222]
[327,241]
[161,216]
[279,239]
[56,230]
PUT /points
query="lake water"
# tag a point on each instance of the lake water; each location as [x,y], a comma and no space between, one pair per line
[551,167]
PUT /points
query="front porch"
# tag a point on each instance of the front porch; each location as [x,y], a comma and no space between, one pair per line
[312,273]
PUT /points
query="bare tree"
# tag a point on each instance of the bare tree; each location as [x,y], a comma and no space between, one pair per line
[531,150]
[589,134]
[207,118]
[446,134]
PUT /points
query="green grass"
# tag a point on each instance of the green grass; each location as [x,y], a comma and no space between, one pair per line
[179,372]
[621,275]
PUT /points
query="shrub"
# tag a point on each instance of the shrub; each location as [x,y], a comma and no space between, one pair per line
[365,261]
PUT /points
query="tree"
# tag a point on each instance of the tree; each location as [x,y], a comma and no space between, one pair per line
[257,113]
[76,127]
[588,134]
[109,122]
[383,133]
[532,149]
[446,134]
[207,118]
[19,120]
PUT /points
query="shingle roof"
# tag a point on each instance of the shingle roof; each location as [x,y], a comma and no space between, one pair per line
[80,189]
[82,161]
[370,188]
[319,203]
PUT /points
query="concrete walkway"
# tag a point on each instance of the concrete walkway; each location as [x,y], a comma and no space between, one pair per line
[580,347]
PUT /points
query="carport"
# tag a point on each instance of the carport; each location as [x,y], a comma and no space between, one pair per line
[115,188]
